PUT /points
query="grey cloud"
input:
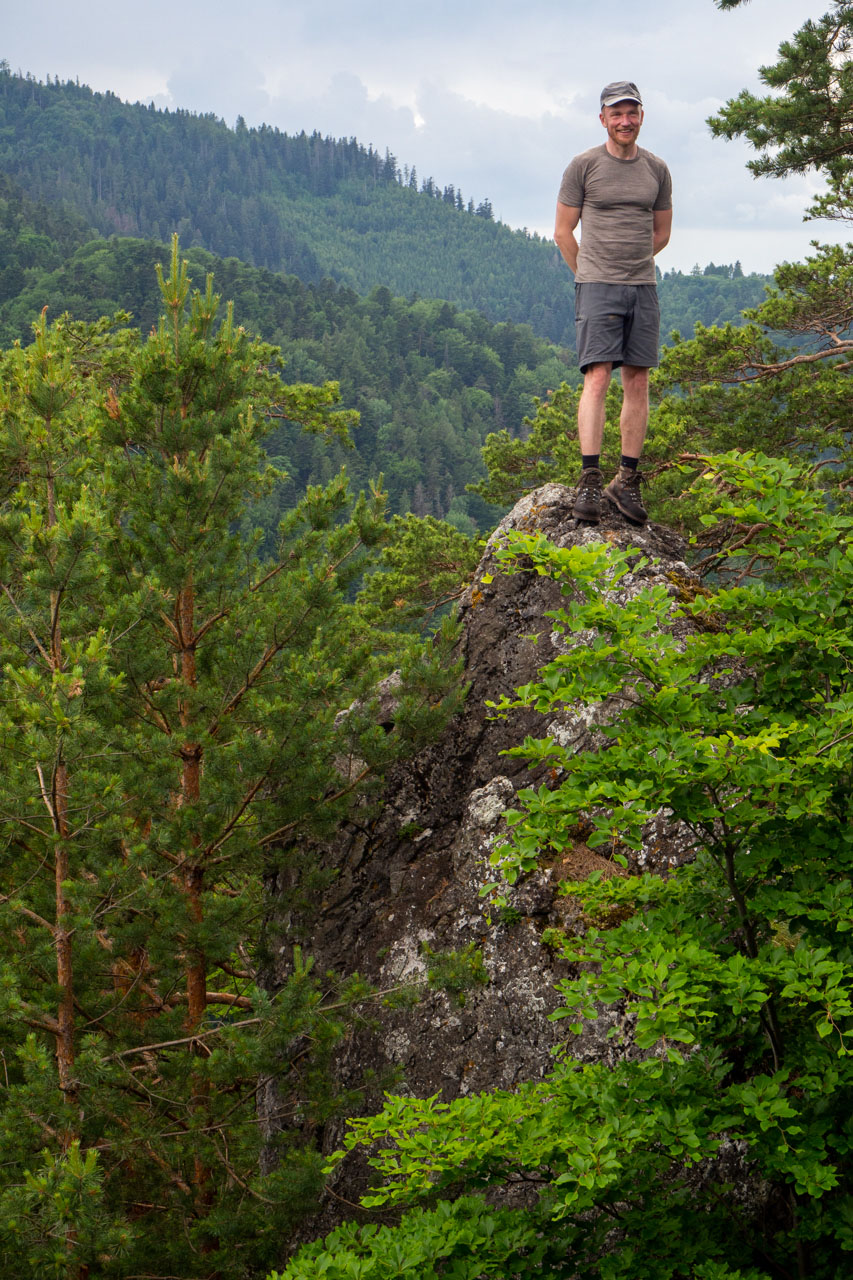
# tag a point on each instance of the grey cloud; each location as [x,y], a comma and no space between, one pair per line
[239,84]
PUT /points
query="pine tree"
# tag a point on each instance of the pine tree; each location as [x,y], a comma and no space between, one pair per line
[805,123]
[172,733]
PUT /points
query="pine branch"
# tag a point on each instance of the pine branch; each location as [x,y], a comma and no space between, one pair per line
[45,655]
[200,1035]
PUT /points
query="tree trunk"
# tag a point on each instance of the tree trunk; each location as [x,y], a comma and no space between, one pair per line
[64,962]
[57,803]
[193,877]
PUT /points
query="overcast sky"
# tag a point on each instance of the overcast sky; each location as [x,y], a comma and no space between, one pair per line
[494,96]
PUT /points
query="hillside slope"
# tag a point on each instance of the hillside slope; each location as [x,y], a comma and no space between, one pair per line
[308,205]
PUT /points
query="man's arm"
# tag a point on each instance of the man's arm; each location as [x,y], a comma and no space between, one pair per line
[567,219]
[662,226]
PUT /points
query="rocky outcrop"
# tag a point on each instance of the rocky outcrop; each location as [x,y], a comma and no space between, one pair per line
[408,877]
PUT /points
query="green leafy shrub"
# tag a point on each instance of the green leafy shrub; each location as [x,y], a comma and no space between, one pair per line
[720,1144]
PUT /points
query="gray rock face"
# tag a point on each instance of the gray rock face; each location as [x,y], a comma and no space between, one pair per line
[409,877]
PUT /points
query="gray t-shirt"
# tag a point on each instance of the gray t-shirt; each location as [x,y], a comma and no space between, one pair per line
[617,199]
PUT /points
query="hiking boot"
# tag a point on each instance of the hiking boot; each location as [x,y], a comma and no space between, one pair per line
[588,499]
[624,493]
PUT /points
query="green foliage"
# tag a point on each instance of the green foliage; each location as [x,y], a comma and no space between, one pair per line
[780,382]
[446,1242]
[456,971]
[731,977]
[510,916]
[58,1214]
[425,565]
[548,451]
[33,238]
[171,729]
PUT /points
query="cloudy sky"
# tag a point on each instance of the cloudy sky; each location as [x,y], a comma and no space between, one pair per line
[494,96]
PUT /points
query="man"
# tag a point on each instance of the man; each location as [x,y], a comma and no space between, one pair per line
[622,196]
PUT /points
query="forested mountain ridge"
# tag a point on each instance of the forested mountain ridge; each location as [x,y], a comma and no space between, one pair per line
[312,206]
[305,204]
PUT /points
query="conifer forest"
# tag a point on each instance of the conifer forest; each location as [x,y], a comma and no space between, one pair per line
[252,447]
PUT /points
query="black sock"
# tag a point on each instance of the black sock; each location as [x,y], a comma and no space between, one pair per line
[631,463]
[591,460]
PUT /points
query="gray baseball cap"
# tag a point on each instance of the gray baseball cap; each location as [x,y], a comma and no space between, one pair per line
[620,91]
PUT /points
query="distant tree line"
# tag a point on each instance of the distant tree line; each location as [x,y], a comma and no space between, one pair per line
[430,381]
[715,294]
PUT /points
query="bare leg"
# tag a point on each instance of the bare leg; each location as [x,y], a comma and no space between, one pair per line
[591,407]
[635,409]
[624,489]
[591,433]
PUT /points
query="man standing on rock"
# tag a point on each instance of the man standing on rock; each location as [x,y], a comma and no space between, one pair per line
[622,196]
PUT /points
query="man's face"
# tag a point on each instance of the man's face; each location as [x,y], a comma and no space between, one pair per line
[622,121]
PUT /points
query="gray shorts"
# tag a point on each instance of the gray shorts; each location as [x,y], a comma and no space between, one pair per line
[617,324]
